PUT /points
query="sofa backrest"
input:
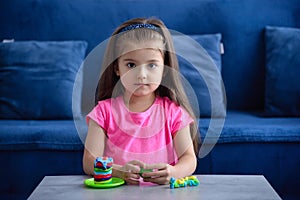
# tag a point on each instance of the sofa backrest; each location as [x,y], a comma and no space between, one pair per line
[241,23]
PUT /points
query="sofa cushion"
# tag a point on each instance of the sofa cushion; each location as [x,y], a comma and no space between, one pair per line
[241,127]
[199,58]
[39,135]
[37,79]
[282,95]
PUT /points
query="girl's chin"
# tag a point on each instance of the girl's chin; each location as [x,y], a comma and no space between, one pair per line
[142,94]
[142,91]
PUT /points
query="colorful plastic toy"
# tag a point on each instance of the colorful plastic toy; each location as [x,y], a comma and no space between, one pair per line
[184,182]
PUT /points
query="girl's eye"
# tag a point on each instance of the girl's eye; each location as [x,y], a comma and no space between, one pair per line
[130,65]
[152,65]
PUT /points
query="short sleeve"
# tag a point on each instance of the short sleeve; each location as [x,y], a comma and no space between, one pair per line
[180,119]
[100,115]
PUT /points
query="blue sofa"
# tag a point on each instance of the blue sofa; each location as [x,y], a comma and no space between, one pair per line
[253,140]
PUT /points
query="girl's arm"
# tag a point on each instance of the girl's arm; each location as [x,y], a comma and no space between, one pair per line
[187,161]
[185,166]
[94,146]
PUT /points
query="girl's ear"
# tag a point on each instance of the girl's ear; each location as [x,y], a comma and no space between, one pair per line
[117,71]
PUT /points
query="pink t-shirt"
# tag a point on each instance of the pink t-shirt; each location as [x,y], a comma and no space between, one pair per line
[145,136]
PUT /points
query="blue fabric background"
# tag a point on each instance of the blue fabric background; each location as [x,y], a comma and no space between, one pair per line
[93,21]
[211,46]
[258,146]
[37,79]
[39,134]
[282,96]
[248,127]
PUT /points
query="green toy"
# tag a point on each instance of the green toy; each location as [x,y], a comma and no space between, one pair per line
[114,183]
[142,170]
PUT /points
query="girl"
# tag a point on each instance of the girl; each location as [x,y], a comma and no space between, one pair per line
[142,118]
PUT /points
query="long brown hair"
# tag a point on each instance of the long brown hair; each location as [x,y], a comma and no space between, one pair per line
[174,90]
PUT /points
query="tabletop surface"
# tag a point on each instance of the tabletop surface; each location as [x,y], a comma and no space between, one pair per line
[220,187]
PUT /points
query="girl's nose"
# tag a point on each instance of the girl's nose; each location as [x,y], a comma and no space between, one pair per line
[141,72]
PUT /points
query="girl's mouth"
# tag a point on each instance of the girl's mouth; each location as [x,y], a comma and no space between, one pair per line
[140,84]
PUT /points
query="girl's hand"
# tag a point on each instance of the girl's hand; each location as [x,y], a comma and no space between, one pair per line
[161,174]
[130,171]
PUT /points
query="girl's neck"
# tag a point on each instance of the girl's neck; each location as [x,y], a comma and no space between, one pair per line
[138,103]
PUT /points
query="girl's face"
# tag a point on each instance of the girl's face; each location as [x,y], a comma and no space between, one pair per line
[141,71]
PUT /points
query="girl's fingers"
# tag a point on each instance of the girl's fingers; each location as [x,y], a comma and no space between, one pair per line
[131,178]
[155,166]
[132,181]
[131,171]
[134,166]
[159,173]
[159,169]
[137,163]
[157,180]
[135,176]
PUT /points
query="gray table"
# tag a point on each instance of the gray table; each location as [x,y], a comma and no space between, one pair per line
[216,187]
